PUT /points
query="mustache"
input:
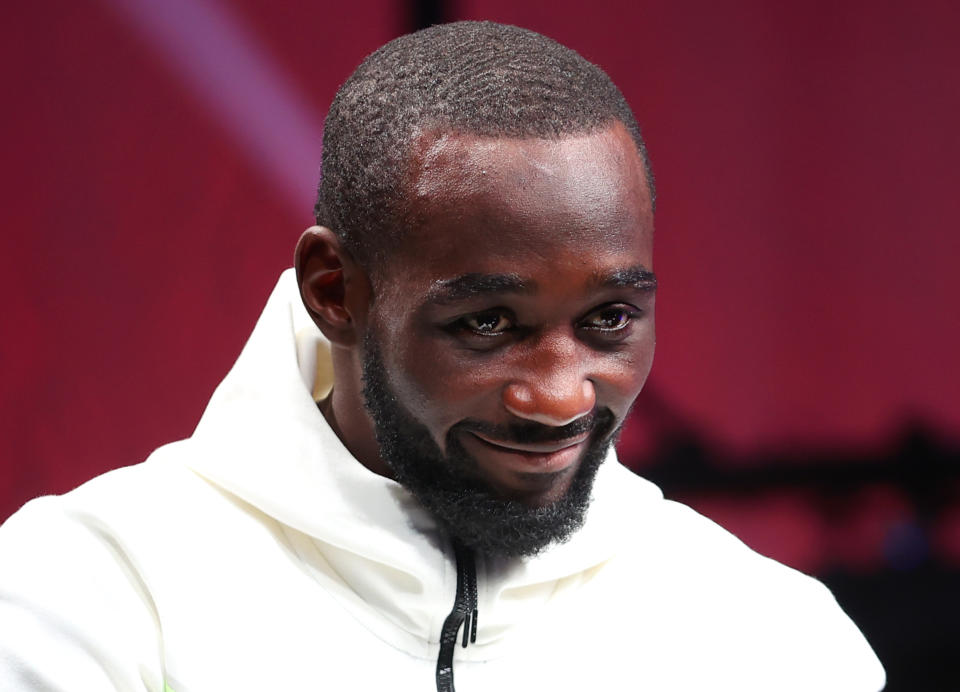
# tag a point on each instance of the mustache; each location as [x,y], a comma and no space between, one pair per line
[532,432]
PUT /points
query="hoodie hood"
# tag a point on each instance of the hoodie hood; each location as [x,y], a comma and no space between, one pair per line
[263,440]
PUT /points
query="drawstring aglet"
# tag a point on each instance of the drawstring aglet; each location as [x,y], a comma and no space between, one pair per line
[470,628]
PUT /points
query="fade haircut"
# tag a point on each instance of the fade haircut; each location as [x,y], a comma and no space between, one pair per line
[478,78]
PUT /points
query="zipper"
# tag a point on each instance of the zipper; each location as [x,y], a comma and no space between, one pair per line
[464,614]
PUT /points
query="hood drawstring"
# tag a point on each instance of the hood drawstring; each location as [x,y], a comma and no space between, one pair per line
[464,613]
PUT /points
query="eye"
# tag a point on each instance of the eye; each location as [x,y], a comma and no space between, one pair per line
[489,323]
[611,318]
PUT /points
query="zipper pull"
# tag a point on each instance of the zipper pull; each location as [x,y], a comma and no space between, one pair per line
[472,621]
[463,614]
[470,591]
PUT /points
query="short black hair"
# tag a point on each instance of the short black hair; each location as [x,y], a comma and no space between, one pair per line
[477,78]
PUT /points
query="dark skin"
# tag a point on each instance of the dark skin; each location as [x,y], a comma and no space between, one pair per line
[522,293]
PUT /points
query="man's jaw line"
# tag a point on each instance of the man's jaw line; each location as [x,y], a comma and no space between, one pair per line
[515,514]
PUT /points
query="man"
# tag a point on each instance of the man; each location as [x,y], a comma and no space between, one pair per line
[407,480]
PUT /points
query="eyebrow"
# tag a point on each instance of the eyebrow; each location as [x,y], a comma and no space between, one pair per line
[638,277]
[472,285]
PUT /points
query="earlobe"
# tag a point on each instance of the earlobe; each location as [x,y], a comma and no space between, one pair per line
[326,274]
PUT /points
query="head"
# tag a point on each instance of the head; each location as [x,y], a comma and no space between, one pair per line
[482,266]
[472,77]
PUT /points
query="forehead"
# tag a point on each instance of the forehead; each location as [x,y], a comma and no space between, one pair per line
[481,204]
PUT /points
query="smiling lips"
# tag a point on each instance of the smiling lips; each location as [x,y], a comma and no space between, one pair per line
[544,457]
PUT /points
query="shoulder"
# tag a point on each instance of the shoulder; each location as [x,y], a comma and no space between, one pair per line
[746,617]
[67,595]
[73,589]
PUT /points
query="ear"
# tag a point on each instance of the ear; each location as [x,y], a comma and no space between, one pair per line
[334,289]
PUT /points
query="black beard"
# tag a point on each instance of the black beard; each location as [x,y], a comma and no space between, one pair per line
[449,486]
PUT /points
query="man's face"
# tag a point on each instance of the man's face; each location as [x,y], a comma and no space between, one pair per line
[512,330]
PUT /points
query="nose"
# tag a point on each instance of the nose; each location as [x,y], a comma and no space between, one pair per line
[555,393]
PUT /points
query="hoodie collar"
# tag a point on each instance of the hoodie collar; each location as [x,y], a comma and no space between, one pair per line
[263,439]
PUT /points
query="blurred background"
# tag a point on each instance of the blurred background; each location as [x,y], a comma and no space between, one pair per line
[159,162]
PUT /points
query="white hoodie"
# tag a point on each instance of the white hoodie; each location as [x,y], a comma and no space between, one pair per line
[259,555]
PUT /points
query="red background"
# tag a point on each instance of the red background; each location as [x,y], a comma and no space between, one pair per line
[807,222]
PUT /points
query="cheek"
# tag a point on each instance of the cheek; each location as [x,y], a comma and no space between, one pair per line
[440,387]
[627,376]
